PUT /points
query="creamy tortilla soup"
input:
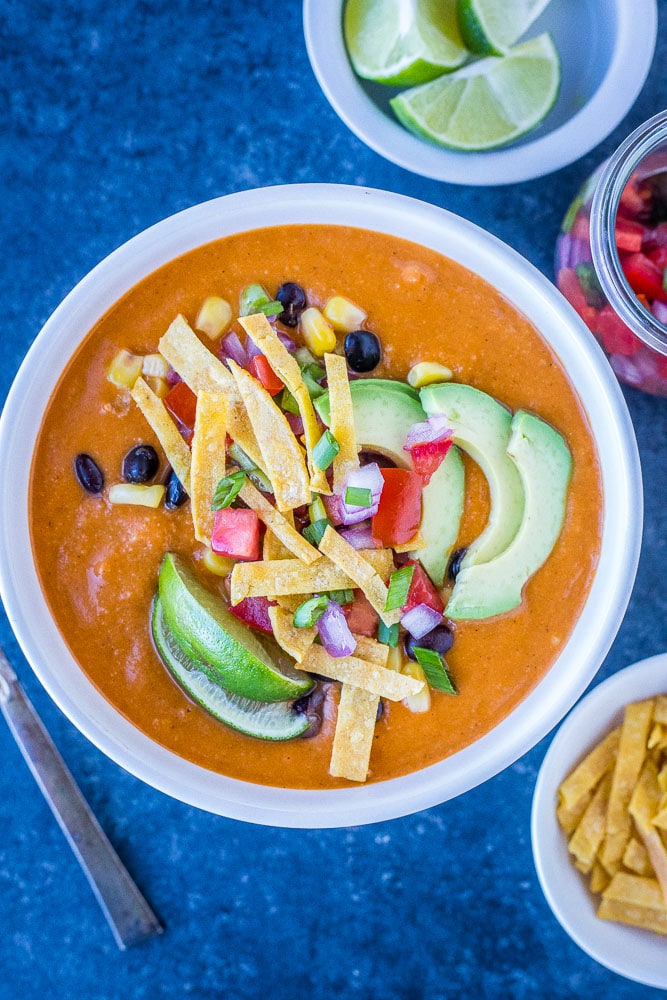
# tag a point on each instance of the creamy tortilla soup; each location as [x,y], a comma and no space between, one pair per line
[99,553]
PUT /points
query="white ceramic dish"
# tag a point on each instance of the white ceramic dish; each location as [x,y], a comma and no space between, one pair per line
[522,284]
[629,951]
[605,47]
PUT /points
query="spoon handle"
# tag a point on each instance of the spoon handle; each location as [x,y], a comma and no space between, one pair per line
[127,912]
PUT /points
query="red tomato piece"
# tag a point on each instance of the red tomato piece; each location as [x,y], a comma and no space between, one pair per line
[362,619]
[265,375]
[254,611]
[422,590]
[644,276]
[236,533]
[400,508]
[659,258]
[569,285]
[629,234]
[182,404]
[616,336]
[428,455]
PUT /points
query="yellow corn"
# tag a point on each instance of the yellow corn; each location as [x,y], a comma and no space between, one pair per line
[214,316]
[125,369]
[420,702]
[155,365]
[137,494]
[219,565]
[343,315]
[159,385]
[318,334]
[395,659]
[427,372]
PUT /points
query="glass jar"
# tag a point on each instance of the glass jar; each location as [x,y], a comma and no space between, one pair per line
[611,257]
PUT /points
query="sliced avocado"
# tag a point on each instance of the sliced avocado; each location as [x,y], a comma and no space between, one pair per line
[207,631]
[481,427]
[442,508]
[267,721]
[544,464]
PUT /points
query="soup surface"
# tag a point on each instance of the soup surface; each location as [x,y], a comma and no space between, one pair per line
[98,562]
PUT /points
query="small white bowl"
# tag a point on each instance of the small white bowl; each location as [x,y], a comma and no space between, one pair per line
[520,283]
[605,46]
[631,952]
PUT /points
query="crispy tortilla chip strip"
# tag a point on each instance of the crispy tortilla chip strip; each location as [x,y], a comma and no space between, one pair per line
[208,460]
[656,736]
[173,445]
[292,576]
[599,879]
[278,524]
[587,838]
[341,423]
[415,543]
[371,650]
[569,817]
[282,457]
[635,900]
[360,673]
[200,369]
[360,571]
[353,737]
[636,859]
[660,709]
[286,368]
[631,753]
[643,807]
[660,818]
[647,918]
[295,641]
[588,772]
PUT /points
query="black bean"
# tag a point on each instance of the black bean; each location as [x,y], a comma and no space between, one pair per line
[89,473]
[293,300]
[455,561]
[439,639]
[175,496]
[363,350]
[140,464]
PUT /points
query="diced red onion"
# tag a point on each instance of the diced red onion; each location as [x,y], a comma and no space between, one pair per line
[333,505]
[420,620]
[251,348]
[334,631]
[571,251]
[286,341]
[434,428]
[659,310]
[359,536]
[231,347]
[295,422]
[173,378]
[367,477]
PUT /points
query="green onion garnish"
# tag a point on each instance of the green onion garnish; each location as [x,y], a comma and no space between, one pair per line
[313,387]
[227,490]
[342,596]
[310,612]
[325,451]
[358,496]
[313,532]
[316,509]
[288,403]
[388,634]
[256,475]
[271,308]
[253,297]
[399,585]
[435,669]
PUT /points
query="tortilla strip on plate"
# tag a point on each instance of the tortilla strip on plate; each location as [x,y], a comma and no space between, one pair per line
[208,460]
[588,772]
[361,673]
[353,736]
[157,415]
[278,524]
[341,423]
[360,571]
[588,835]
[278,577]
[643,807]
[635,900]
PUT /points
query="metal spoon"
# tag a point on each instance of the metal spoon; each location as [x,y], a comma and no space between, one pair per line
[127,912]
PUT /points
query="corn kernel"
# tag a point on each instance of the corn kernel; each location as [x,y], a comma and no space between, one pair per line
[214,316]
[395,659]
[159,385]
[318,334]
[428,372]
[219,565]
[137,494]
[155,365]
[125,369]
[420,702]
[343,315]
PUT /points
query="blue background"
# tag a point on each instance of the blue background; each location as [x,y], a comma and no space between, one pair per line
[114,115]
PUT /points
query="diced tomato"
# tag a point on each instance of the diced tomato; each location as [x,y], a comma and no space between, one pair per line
[362,619]
[428,455]
[659,257]
[616,336]
[236,533]
[569,285]
[400,508]
[629,235]
[644,276]
[254,611]
[264,373]
[632,201]
[422,590]
[182,404]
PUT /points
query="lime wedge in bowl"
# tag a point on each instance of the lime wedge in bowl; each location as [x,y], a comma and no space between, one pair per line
[488,103]
[491,27]
[403,43]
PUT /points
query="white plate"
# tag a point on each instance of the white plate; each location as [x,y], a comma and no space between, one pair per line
[631,952]
[605,46]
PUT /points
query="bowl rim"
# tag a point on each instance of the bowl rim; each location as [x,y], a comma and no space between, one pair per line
[532,294]
[591,124]
[630,952]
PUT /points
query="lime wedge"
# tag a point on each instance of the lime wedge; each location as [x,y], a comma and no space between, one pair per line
[488,103]
[275,721]
[490,27]
[207,631]
[403,43]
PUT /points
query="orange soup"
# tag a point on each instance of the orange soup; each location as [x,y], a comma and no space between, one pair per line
[98,561]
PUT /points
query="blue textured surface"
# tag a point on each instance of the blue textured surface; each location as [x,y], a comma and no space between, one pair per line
[113,116]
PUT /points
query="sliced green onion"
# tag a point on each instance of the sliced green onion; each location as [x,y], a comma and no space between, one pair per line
[261,481]
[313,532]
[399,585]
[571,215]
[288,403]
[388,634]
[435,669]
[325,451]
[253,297]
[310,612]
[227,490]
[313,387]
[342,596]
[316,509]
[271,308]
[358,496]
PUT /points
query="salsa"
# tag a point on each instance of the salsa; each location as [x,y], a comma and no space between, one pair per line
[99,561]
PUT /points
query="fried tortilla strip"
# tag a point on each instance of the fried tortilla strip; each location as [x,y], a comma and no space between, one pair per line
[660,818]
[360,673]
[660,709]
[416,542]
[278,577]
[176,450]
[354,563]
[278,524]
[286,368]
[353,737]
[635,900]
[586,839]
[341,423]
[200,369]
[569,817]
[599,879]
[656,736]
[643,807]
[631,754]
[295,641]
[636,859]
[590,770]
[371,650]
[208,460]
[282,456]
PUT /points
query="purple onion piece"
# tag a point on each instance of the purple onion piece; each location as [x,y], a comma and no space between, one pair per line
[334,632]
[295,422]
[659,310]
[286,341]
[420,620]
[367,477]
[434,428]
[359,536]
[251,348]
[231,347]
